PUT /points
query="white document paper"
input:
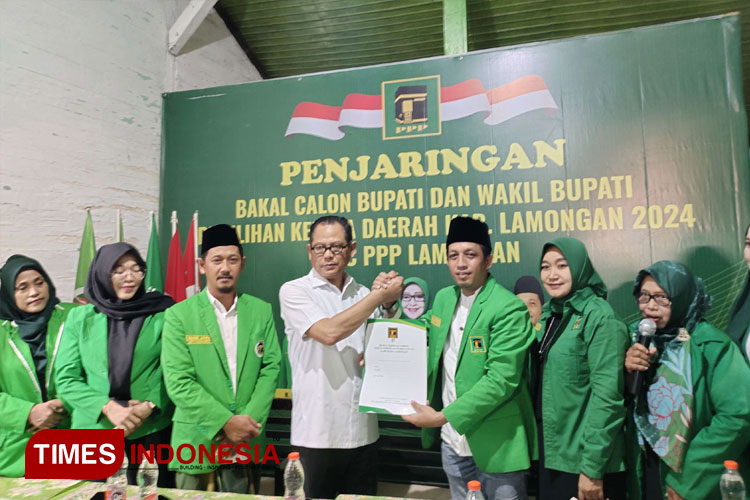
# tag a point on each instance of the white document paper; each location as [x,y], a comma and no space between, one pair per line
[395,367]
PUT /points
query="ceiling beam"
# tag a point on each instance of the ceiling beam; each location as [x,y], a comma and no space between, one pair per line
[454,27]
[187,24]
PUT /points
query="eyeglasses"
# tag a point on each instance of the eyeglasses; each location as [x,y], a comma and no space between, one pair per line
[320,250]
[660,298]
[137,272]
[415,298]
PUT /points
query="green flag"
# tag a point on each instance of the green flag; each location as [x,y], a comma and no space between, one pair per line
[120,232]
[86,255]
[154,280]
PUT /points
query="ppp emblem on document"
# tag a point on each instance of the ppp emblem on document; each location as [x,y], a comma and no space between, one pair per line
[411,107]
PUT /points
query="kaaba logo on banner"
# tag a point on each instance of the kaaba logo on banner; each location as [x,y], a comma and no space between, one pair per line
[411,104]
[411,107]
[392,333]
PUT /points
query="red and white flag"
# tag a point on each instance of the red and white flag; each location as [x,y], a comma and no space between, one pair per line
[518,97]
[174,285]
[462,100]
[192,285]
[456,101]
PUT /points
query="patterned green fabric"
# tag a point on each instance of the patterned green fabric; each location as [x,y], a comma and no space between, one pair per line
[664,415]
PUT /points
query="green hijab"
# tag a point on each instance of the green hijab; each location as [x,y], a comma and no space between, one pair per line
[421,284]
[586,281]
[686,291]
[663,409]
[31,327]
[739,318]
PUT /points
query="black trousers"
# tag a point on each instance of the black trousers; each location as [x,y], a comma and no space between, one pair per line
[166,477]
[651,479]
[558,485]
[333,471]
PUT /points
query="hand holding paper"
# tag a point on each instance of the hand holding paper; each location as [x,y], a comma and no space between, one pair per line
[396,370]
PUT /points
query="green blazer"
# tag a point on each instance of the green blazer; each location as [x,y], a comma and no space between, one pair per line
[20,388]
[197,374]
[82,375]
[583,406]
[492,408]
[720,427]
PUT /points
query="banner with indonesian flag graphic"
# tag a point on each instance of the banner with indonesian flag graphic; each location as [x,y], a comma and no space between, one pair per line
[496,105]
[642,154]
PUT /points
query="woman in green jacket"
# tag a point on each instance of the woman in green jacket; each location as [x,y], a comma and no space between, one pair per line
[738,328]
[109,370]
[31,319]
[579,405]
[693,409]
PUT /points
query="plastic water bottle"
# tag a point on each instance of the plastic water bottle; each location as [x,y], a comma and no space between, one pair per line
[118,482]
[732,486]
[148,475]
[294,478]
[475,491]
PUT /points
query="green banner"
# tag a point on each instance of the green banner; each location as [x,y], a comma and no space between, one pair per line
[634,142]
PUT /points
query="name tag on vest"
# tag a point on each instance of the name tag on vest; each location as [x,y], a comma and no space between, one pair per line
[198,339]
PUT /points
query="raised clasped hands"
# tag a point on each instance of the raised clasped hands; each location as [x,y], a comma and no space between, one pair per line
[389,285]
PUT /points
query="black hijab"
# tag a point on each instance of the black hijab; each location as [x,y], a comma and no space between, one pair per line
[124,317]
[31,327]
[739,317]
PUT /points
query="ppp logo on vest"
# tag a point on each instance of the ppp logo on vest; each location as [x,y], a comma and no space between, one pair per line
[74,453]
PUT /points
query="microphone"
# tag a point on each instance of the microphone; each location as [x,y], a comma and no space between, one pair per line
[646,330]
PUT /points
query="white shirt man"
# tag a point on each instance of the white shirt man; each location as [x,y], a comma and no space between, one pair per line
[324,314]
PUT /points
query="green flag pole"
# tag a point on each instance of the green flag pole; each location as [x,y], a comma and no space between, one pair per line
[154,277]
[85,256]
[119,233]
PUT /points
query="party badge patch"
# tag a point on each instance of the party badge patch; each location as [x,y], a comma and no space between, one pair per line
[477,344]
[198,339]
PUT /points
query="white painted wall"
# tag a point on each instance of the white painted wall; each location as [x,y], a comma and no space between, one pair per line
[80,118]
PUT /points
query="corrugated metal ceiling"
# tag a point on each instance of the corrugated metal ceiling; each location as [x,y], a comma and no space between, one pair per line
[291,37]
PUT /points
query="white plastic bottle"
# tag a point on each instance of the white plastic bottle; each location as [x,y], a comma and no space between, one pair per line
[148,475]
[294,478]
[475,491]
[732,486]
[118,482]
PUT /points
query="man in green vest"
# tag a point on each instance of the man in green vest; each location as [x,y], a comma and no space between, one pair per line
[220,356]
[478,394]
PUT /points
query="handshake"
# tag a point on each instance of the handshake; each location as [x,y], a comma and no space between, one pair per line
[388,286]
